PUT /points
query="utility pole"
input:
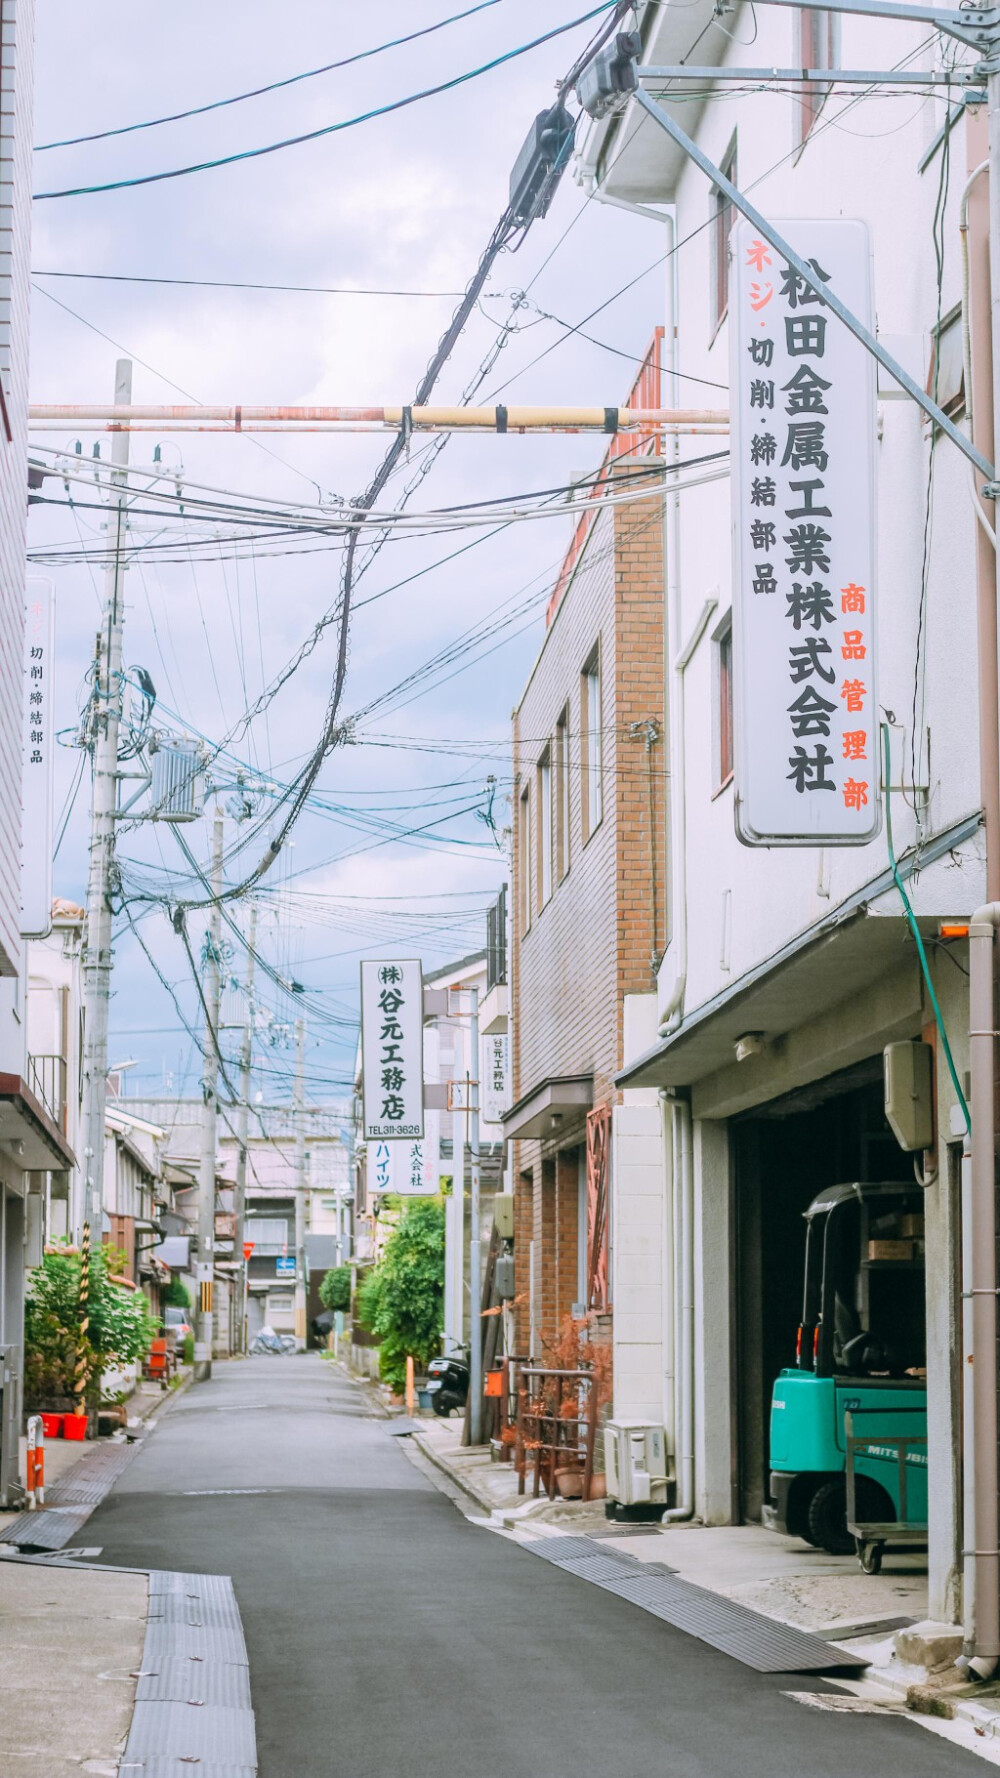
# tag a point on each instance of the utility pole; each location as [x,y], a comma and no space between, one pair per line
[107,703]
[246,1060]
[209,1120]
[475,1236]
[301,1276]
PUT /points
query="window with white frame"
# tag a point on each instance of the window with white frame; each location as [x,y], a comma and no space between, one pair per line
[545,819]
[562,793]
[524,857]
[723,748]
[721,220]
[590,727]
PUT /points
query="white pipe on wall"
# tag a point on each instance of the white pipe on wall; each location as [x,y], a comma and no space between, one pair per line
[683,1296]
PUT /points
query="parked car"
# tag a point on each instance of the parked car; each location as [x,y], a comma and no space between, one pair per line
[176,1324]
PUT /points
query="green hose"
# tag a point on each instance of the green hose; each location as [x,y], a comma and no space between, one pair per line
[914,928]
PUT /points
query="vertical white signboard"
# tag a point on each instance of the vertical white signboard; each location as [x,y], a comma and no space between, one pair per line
[803,480]
[392,1049]
[36,823]
[493,1098]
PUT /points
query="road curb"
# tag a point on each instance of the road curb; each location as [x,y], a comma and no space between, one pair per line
[481,1500]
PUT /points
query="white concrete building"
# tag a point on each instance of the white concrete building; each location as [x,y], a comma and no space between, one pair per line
[31,1142]
[55,1032]
[805,951]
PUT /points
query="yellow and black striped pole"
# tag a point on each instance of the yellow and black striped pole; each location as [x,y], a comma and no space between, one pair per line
[82,1372]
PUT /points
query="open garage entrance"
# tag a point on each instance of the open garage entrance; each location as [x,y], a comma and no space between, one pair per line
[784,1153]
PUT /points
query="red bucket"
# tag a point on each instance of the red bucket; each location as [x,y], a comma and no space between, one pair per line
[74,1426]
[52,1424]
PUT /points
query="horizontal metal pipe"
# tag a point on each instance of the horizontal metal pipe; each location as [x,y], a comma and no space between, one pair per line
[420,419]
[230,431]
[817,76]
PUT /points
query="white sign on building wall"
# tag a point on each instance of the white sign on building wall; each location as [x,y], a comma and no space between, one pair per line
[36,838]
[392,1049]
[493,1098]
[803,481]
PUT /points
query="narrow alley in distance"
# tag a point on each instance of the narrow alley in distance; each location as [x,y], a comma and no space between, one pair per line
[389,1635]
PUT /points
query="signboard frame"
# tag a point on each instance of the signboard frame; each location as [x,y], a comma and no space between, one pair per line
[392,1042]
[804,442]
[38,739]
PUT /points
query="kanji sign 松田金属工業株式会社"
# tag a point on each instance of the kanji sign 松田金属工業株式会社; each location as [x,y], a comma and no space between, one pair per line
[803,477]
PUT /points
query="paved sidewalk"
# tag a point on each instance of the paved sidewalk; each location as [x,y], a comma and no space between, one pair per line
[62,1455]
[70,1648]
[782,1577]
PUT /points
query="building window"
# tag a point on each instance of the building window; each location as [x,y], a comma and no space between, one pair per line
[496,941]
[524,858]
[817,48]
[946,373]
[724,705]
[592,799]
[722,218]
[562,794]
[543,772]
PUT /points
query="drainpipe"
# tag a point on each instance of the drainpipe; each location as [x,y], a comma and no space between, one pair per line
[976,360]
[683,1297]
[981,1590]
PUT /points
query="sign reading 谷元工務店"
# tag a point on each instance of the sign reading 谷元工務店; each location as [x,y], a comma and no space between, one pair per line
[392,1049]
[803,480]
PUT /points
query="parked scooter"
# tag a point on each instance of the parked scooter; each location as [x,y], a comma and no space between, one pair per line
[448,1382]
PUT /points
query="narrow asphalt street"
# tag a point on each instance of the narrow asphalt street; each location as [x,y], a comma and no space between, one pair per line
[388,1636]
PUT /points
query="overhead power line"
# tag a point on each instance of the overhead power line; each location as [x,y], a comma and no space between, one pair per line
[521,210]
[246,284]
[274,86]
[330,129]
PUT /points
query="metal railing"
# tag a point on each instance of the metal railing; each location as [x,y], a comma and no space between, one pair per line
[555,1428]
[47,1080]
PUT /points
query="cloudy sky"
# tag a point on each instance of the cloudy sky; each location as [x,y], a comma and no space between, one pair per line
[404,202]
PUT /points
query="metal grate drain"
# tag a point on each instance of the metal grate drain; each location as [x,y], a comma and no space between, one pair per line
[192,1708]
[71,1500]
[850,1705]
[757,1641]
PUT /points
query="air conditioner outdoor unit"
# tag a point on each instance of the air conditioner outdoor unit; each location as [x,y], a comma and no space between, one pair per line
[635,1460]
[177,790]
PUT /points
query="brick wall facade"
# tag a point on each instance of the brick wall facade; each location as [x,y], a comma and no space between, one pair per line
[598,933]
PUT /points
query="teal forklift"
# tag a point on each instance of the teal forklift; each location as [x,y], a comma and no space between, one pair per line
[860,1367]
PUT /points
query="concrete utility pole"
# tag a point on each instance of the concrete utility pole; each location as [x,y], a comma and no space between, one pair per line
[209,1121]
[301,1275]
[104,802]
[246,1061]
[475,1235]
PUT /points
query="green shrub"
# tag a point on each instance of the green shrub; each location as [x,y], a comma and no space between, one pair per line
[121,1325]
[402,1297]
[335,1289]
[176,1295]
